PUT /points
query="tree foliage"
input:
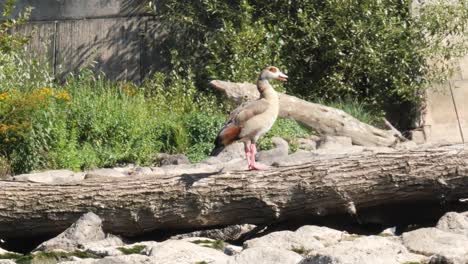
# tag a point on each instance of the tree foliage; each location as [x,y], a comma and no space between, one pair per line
[380,52]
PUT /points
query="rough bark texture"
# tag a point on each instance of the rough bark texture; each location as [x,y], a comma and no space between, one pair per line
[319,187]
[323,119]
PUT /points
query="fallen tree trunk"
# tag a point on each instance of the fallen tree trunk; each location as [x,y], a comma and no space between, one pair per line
[133,206]
[323,119]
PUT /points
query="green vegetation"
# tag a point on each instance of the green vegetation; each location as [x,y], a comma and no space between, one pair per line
[133,250]
[216,244]
[380,53]
[373,53]
[46,257]
[301,250]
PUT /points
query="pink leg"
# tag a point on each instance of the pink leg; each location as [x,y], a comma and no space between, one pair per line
[248,155]
[254,165]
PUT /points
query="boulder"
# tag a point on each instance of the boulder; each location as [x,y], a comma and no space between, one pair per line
[324,235]
[231,152]
[182,252]
[334,142]
[433,241]
[307,144]
[164,159]
[281,149]
[84,233]
[228,233]
[363,250]
[51,177]
[7,261]
[453,222]
[265,255]
[106,173]
[287,240]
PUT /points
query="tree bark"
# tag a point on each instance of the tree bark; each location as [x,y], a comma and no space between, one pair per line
[316,188]
[323,119]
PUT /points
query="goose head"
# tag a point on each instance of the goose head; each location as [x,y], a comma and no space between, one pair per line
[273,73]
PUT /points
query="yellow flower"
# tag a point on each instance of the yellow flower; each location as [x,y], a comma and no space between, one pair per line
[63,96]
[4,96]
[46,91]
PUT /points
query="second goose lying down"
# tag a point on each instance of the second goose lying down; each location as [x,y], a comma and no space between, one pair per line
[249,122]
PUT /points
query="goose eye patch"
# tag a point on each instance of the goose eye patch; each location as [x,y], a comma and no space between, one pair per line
[273,69]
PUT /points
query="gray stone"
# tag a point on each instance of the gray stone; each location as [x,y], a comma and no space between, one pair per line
[228,233]
[334,142]
[363,250]
[431,241]
[53,177]
[231,152]
[453,222]
[142,172]
[164,159]
[105,173]
[307,144]
[418,136]
[182,252]
[85,232]
[232,250]
[7,261]
[124,259]
[280,150]
[406,145]
[287,240]
[266,255]
[324,235]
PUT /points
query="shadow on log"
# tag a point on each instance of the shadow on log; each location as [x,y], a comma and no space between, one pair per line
[323,119]
[314,189]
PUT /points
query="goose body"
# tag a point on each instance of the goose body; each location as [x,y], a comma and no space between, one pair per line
[250,121]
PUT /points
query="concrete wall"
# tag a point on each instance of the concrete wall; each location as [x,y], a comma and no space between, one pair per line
[446,119]
[115,36]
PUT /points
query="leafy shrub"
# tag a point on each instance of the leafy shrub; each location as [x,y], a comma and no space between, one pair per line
[382,53]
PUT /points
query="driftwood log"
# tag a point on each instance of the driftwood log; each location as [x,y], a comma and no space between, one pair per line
[323,119]
[314,189]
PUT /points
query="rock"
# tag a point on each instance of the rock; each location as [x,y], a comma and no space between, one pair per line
[142,172]
[266,255]
[182,252]
[341,151]
[124,259]
[391,231]
[453,222]
[306,144]
[228,233]
[85,232]
[287,240]
[334,142]
[106,173]
[232,250]
[231,152]
[53,177]
[281,149]
[363,250]
[418,136]
[164,159]
[324,235]
[431,241]
[7,261]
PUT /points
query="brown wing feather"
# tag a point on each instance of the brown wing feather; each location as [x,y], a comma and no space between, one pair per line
[233,126]
[245,112]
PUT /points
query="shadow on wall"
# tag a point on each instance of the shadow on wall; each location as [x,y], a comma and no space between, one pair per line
[126,46]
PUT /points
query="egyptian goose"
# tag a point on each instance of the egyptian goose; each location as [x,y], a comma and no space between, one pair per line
[249,122]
